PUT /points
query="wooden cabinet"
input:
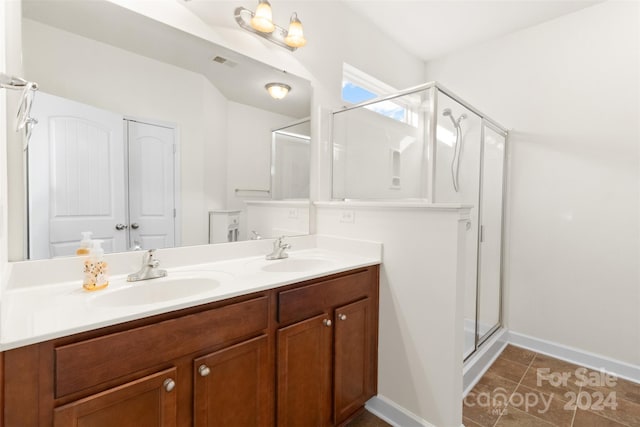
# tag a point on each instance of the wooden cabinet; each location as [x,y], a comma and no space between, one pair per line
[304,373]
[232,386]
[301,355]
[355,358]
[327,363]
[147,402]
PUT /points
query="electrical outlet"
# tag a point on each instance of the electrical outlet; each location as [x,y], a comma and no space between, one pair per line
[293,213]
[347,216]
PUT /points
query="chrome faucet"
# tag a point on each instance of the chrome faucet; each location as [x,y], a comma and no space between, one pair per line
[279,249]
[149,269]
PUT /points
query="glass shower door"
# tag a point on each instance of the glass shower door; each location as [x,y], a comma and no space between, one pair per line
[490,245]
[456,178]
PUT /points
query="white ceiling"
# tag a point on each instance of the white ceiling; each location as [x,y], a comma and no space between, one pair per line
[433,28]
[426,28]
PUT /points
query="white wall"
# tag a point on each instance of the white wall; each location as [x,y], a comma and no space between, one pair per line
[133,85]
[569,88]
[15,167]
[249,135]
[277,218]
[421,297]
[3,156]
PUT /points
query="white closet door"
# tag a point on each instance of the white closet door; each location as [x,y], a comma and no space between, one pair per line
[76,177]
[151,185]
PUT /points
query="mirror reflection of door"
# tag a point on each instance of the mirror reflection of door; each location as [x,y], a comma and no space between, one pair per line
[152,210]
[78,180]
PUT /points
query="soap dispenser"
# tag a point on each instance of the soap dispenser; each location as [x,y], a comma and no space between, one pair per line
[96,276]
[85,243]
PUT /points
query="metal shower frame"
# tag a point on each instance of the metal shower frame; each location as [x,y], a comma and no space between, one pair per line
[434,87]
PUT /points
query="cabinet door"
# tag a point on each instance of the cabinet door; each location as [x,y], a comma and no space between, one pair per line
[232,386]
[147,402]
[354,374]
[304,373]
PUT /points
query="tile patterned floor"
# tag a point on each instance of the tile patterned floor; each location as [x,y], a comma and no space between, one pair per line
[527,389]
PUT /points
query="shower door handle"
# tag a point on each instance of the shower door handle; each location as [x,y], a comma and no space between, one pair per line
[481,233]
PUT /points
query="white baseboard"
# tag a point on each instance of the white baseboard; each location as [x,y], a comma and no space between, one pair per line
[481,361]
[576,356]
[393,413]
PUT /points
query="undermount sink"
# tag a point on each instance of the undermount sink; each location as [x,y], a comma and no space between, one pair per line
[175,286]
[296,265]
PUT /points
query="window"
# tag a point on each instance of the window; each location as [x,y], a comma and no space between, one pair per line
[358,86]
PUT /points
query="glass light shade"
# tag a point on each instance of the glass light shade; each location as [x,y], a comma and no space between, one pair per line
[263,19]
[278,90]
[295,36]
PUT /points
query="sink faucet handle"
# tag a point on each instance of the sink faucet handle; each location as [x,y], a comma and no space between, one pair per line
[149,257]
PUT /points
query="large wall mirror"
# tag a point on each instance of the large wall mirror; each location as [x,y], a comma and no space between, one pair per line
[150,137]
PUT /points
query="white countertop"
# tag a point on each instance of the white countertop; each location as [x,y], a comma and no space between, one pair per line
[39,312]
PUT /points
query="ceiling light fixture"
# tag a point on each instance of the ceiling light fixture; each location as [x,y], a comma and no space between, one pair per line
[277,90]
[261,23]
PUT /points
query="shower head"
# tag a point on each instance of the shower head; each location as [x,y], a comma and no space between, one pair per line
[447,112]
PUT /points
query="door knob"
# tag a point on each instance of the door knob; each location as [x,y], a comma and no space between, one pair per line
[135,225]
[342,316]
[204,370]
[120,227]
[326,322]
[169,384]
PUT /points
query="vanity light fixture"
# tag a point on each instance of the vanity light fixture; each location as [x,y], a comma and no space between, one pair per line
[295,36]
[261,23]
[262,20]
[277,90]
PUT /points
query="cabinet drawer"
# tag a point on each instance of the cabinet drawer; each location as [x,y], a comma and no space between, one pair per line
[89,363]
[307,301]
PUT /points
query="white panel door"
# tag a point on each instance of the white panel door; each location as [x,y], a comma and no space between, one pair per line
[151,185]
[76,178]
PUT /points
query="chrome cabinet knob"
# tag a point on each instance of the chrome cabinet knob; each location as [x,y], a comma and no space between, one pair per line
[204,370]
[326,322]
[135,225]
[120,227]
[342,316]
[169,384]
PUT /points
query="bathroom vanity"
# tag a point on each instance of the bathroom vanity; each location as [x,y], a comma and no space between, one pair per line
[297,354]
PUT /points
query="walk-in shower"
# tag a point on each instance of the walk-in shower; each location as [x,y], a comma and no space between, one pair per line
[426,144]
